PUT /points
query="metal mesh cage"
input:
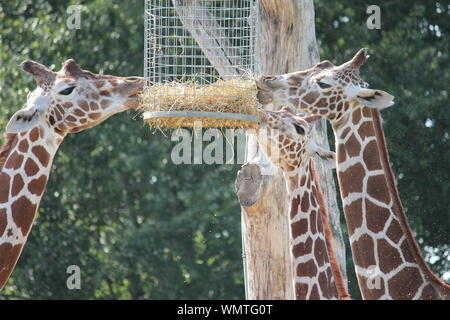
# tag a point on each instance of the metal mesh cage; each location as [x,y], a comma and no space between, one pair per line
[199,60]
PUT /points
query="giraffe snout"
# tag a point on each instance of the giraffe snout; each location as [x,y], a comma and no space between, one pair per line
[266,85]
[134,85]
[134,79]
[264,97]
[267,82]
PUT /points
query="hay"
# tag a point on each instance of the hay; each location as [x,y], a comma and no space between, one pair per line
[229,103]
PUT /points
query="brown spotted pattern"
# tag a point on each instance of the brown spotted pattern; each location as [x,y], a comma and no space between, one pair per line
[380,246]
[22,183]
[313,276]
[26,157]
[387,258]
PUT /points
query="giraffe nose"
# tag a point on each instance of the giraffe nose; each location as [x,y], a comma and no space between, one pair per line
[133,85]
[267,82]
[261,82]
[134,79]
[266,86]
[264,97]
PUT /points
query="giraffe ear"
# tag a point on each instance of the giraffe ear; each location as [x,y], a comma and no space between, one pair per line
[376,99]
[23,120]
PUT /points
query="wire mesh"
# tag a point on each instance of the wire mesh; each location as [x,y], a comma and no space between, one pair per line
[200,55]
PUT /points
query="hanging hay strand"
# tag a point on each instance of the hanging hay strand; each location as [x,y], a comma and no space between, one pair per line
[224,103]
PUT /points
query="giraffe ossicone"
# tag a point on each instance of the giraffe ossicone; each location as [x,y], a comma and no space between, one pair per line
[286,139]
[64,102]
[388,261]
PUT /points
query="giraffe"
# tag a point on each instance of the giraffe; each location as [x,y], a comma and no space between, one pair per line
[388,261]
[285,138]
[64,102]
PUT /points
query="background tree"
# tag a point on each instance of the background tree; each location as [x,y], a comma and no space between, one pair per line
[141,227]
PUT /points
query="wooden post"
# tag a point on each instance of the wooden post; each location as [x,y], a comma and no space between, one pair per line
[287,43]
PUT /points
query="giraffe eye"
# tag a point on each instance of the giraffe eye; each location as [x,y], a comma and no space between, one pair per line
[323,85]
[67,91]
[299,129]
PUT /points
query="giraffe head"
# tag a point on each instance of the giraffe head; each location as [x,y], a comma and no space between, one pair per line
[286,138]
[325,89]
[67,101]
[73,99]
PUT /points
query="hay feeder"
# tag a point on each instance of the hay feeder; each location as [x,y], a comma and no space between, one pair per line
[199,61]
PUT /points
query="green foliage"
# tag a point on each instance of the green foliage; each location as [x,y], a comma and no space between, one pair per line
[136,224]
[410,59]
[140,227]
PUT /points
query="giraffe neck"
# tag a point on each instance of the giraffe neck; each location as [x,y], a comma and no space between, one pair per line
[25,167]
[341,285]
[313,274]
[387,259]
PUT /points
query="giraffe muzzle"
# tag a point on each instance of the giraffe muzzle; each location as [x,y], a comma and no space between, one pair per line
[266,86]
[264,96]
[134,86]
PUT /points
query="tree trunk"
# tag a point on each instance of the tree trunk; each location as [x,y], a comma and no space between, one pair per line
[287,43]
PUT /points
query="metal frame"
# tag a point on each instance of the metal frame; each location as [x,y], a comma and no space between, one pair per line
[199,114]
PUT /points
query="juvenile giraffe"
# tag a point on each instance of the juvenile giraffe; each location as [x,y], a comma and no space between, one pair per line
[388,261]
[286,139]
[67,101]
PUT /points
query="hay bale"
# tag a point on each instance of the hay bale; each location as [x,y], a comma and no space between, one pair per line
[224,103]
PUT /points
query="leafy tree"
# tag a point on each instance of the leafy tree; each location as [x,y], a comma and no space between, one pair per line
[136,224]
[410,59]
[141,227]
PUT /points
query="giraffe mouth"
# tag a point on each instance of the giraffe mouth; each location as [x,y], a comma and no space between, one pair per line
[133,100]
[134,86]
[135,96]
[265,91]
[264,97]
